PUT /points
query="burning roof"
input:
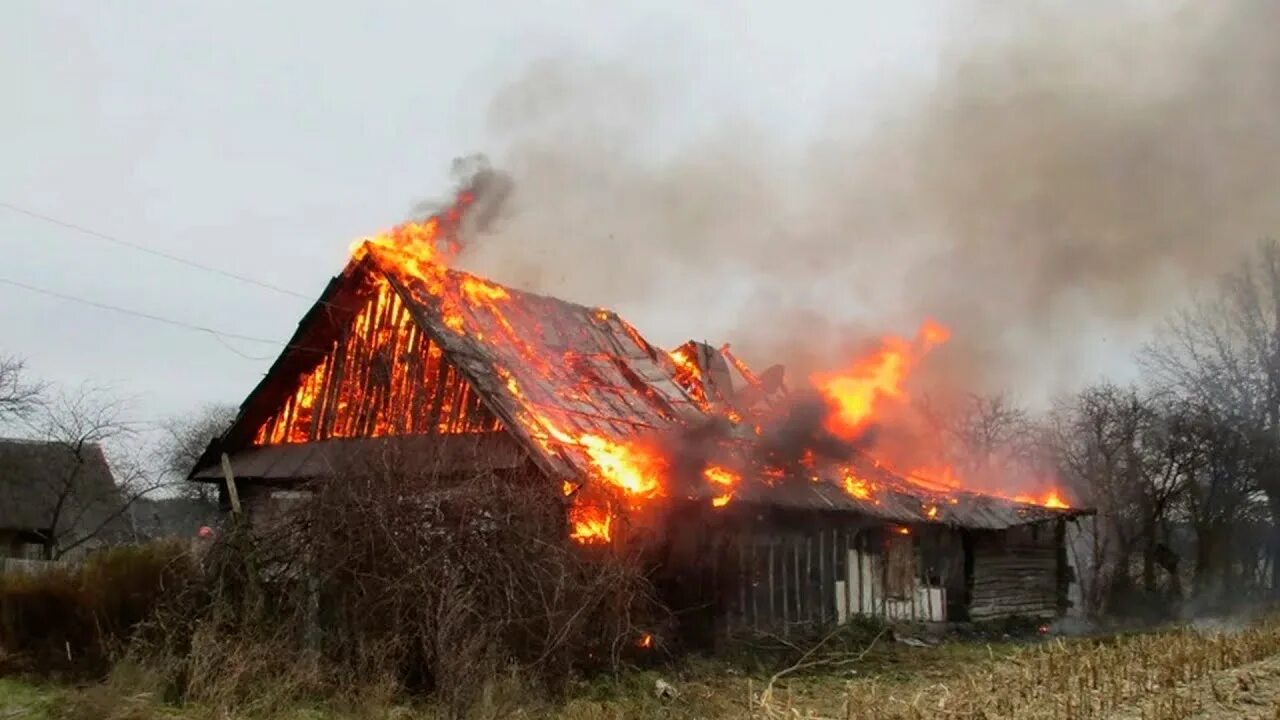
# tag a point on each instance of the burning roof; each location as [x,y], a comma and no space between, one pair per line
[400,344]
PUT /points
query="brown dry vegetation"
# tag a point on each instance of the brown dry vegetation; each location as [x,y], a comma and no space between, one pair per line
[1069,679]
[1176,673]
[420,595]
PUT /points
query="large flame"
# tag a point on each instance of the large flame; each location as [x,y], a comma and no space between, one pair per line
[856,392]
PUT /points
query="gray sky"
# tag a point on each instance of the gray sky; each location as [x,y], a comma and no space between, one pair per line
[263,137]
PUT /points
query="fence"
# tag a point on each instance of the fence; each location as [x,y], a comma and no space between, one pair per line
[28,567]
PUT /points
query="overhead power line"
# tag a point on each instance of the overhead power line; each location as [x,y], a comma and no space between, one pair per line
[220,335]
[151,251]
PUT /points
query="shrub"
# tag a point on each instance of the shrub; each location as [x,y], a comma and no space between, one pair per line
[71,620]
[433,584]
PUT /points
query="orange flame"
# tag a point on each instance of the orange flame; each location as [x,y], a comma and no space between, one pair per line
[855,393]
[856,486]
[690,376]
[590,525]
[633,469]
[725,478]
[1051,499]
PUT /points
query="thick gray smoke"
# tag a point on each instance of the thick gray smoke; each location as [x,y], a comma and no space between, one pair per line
[1071,174]
[784,440]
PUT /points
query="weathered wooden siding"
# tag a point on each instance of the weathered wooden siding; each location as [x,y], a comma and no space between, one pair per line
[781,573]
[1016,572]
[866,593]
[757,571]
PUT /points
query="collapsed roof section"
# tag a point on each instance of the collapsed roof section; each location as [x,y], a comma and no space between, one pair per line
[723,384]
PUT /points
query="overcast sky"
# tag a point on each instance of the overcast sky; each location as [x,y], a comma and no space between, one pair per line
[261,138]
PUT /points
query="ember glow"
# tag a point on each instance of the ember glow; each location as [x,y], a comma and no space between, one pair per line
[724,478]
[856,486]
[590,525]
[689,375]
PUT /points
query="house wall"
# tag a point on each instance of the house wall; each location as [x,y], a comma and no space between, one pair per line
[767,571]
[757,570]
[872,587]
[1019,571]
[17,544]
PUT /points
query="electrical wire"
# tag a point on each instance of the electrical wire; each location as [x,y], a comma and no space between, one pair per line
[150,251]
[220,335]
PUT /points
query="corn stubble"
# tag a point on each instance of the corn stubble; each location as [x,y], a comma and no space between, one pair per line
[1146,677]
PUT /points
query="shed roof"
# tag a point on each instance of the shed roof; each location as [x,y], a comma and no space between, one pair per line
[35,476]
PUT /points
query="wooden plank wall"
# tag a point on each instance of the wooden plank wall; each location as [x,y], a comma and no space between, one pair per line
[1016,572]
[787,574]
[781,581]
[788,580]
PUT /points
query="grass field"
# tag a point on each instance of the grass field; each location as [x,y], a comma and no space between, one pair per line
[1207,672]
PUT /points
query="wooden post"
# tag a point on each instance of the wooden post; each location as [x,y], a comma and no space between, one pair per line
[230,477]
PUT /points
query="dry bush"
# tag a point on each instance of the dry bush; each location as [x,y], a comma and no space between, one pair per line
[386,580]
[72,620]
[445,582]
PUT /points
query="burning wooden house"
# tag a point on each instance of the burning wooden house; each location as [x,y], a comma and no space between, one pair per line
[469,375]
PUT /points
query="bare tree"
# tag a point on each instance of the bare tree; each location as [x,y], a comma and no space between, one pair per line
[186,439]
[1223,353]
[1121,451]
[18,396]
[989,436]
[1220,504]
[81,494]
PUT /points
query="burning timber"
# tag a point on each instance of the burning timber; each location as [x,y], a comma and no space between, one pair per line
[679,449]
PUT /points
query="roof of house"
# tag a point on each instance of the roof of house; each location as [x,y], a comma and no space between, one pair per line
[35,476]
[553,372]
[577,370]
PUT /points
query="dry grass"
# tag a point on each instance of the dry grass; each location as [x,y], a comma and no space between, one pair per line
[1179,673]
[1176,673]
[70,621]
[1061,679]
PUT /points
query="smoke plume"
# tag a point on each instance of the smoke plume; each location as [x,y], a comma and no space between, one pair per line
[1070,175]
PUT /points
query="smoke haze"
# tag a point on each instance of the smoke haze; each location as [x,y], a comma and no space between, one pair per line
[1070,172]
